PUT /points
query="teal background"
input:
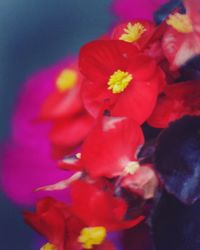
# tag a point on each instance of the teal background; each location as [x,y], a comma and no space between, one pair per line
[35,34]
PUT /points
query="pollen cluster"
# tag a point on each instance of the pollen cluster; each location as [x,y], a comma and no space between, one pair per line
[118,81]
[132,32]
[92,236]
[180,22]
[132,167]
[66,80]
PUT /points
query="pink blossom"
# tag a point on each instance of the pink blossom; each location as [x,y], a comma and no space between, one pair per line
[27,161]
[130,9]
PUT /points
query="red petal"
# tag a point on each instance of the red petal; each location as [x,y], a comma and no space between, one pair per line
[48,221]
[71,163]
[112,209]
[139,99]
[110,146]
[94,97]
[61,104]
[162,114]
[184,89]
[60,151]
[179,100]
[100,59]
[71,132]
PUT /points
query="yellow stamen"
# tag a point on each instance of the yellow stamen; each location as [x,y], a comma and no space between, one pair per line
[133,32]
[66,80]
[118,81]
[90,236]
[180,22]
[131,167]
[48,246]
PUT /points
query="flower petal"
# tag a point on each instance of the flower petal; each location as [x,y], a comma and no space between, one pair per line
[110,146]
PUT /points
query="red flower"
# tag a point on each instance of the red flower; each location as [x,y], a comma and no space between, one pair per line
[142,34]
[64,100]
[118,74]
[96,205]
[111,147]
[55,221]
[65,110]
[182,39]
[178,100]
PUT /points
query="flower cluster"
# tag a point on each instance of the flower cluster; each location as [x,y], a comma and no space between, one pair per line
[110,116]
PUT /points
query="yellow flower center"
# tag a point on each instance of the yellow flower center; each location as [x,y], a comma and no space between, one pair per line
[132,167]
[66,80]
[48,246]
[132,32]
[118,81]
[90,236]
[180,22]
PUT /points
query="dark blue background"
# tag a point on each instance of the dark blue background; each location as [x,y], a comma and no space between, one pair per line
[34,34]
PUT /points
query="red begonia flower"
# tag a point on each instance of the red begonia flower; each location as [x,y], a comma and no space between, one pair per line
[143,34]
[55,221]
[109,150]
[182,39]
[28,150]
[178,100]
[118,74]
[96,205]
[64,108]
[111,147]
[65,99]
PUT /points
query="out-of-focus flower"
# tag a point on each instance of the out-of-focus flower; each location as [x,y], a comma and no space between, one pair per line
[177,101]
[130,9]
[29,152]
[182,39]
[121,77]
[64,108]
